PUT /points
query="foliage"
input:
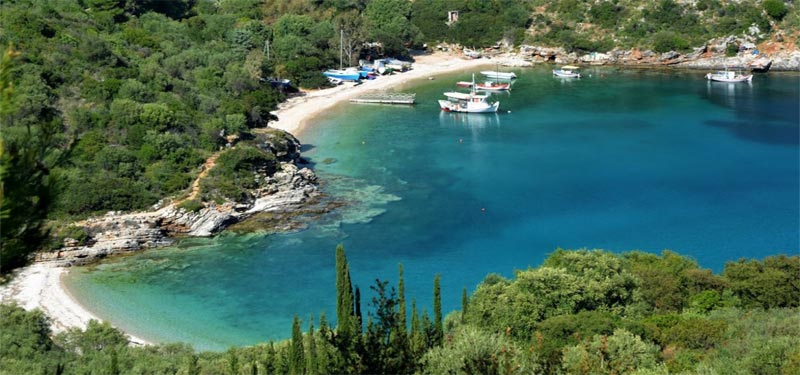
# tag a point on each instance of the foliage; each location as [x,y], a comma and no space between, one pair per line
[771,283]
[191,205]
[471,351]
[775,8]
[723,339]
[619,353]
[30,148]
[237,171]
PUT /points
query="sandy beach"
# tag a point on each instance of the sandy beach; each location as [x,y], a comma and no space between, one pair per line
[40,285]
[295,114]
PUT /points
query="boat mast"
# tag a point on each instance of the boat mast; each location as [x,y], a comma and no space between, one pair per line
[341,46]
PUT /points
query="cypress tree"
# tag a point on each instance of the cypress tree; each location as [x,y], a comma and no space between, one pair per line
[296,360]
[464,304]
[344,294]
[437,310]
[359,318]
[401,301]
[312,348]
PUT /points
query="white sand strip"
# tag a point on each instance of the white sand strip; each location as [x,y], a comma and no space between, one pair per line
[39,286]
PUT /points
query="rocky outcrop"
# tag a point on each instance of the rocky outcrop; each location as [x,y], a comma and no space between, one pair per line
[713,55]
[116,233]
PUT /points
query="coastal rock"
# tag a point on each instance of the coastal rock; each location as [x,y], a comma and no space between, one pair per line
[117,233]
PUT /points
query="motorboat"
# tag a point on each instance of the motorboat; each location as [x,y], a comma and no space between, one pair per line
[729,76]
[470,102]
[567,71]
[498,75]
[493,86]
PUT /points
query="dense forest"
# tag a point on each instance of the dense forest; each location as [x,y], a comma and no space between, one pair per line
[580,312]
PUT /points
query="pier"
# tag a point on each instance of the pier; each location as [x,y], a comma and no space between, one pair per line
[386,98]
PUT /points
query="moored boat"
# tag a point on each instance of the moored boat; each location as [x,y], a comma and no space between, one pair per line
[467,102]
[498,75]
[568,71]
[342,74]
[493,86]
[729,76]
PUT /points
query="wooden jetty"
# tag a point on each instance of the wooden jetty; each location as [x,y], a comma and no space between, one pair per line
[386,98]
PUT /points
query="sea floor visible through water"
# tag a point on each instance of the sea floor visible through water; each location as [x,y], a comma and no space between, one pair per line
[622,159]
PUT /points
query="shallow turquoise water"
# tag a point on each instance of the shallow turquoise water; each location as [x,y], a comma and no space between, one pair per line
[619,160]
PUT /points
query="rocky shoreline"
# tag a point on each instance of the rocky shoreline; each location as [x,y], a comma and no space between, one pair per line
[714,55]
[285,191]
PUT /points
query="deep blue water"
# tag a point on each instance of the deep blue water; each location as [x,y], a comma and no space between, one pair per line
[619,160]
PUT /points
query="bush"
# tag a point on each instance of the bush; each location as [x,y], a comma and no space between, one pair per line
[666,41]
[775,8]
[191,205]
[731,50]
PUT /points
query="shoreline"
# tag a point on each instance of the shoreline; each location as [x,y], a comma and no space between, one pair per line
[40,285]
[296,114]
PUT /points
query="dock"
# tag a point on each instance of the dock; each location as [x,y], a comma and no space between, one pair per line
[386,98]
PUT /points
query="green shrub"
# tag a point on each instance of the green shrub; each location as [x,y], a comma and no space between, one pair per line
[666,41]
[191,205]
[731,50]
[775,8]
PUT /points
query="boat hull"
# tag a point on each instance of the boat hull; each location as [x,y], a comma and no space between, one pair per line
[342,75]
[729,78]
[565,74]
[449,106]
[493,87]
[499,75]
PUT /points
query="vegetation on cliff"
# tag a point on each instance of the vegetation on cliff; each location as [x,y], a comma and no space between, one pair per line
[580,312]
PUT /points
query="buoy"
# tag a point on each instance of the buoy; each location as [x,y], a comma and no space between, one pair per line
[460,140]
[363,142]
[483,209]
[509,111]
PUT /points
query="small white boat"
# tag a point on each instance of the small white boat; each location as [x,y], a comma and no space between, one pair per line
[568,71]
[493,86]
[498,75]
[729,76]
[467,102]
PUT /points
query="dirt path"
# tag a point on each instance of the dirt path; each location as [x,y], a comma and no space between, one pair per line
[207,166]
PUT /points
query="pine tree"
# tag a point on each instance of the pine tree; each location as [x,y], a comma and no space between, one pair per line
[296,355]
[437,311]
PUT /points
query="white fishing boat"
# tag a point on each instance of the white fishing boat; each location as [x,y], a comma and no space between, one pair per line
[470,102]
[498,75]
[729,76]
[493,86]
[464,84]
[567,71]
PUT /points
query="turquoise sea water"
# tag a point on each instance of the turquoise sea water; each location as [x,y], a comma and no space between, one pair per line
[620,160]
